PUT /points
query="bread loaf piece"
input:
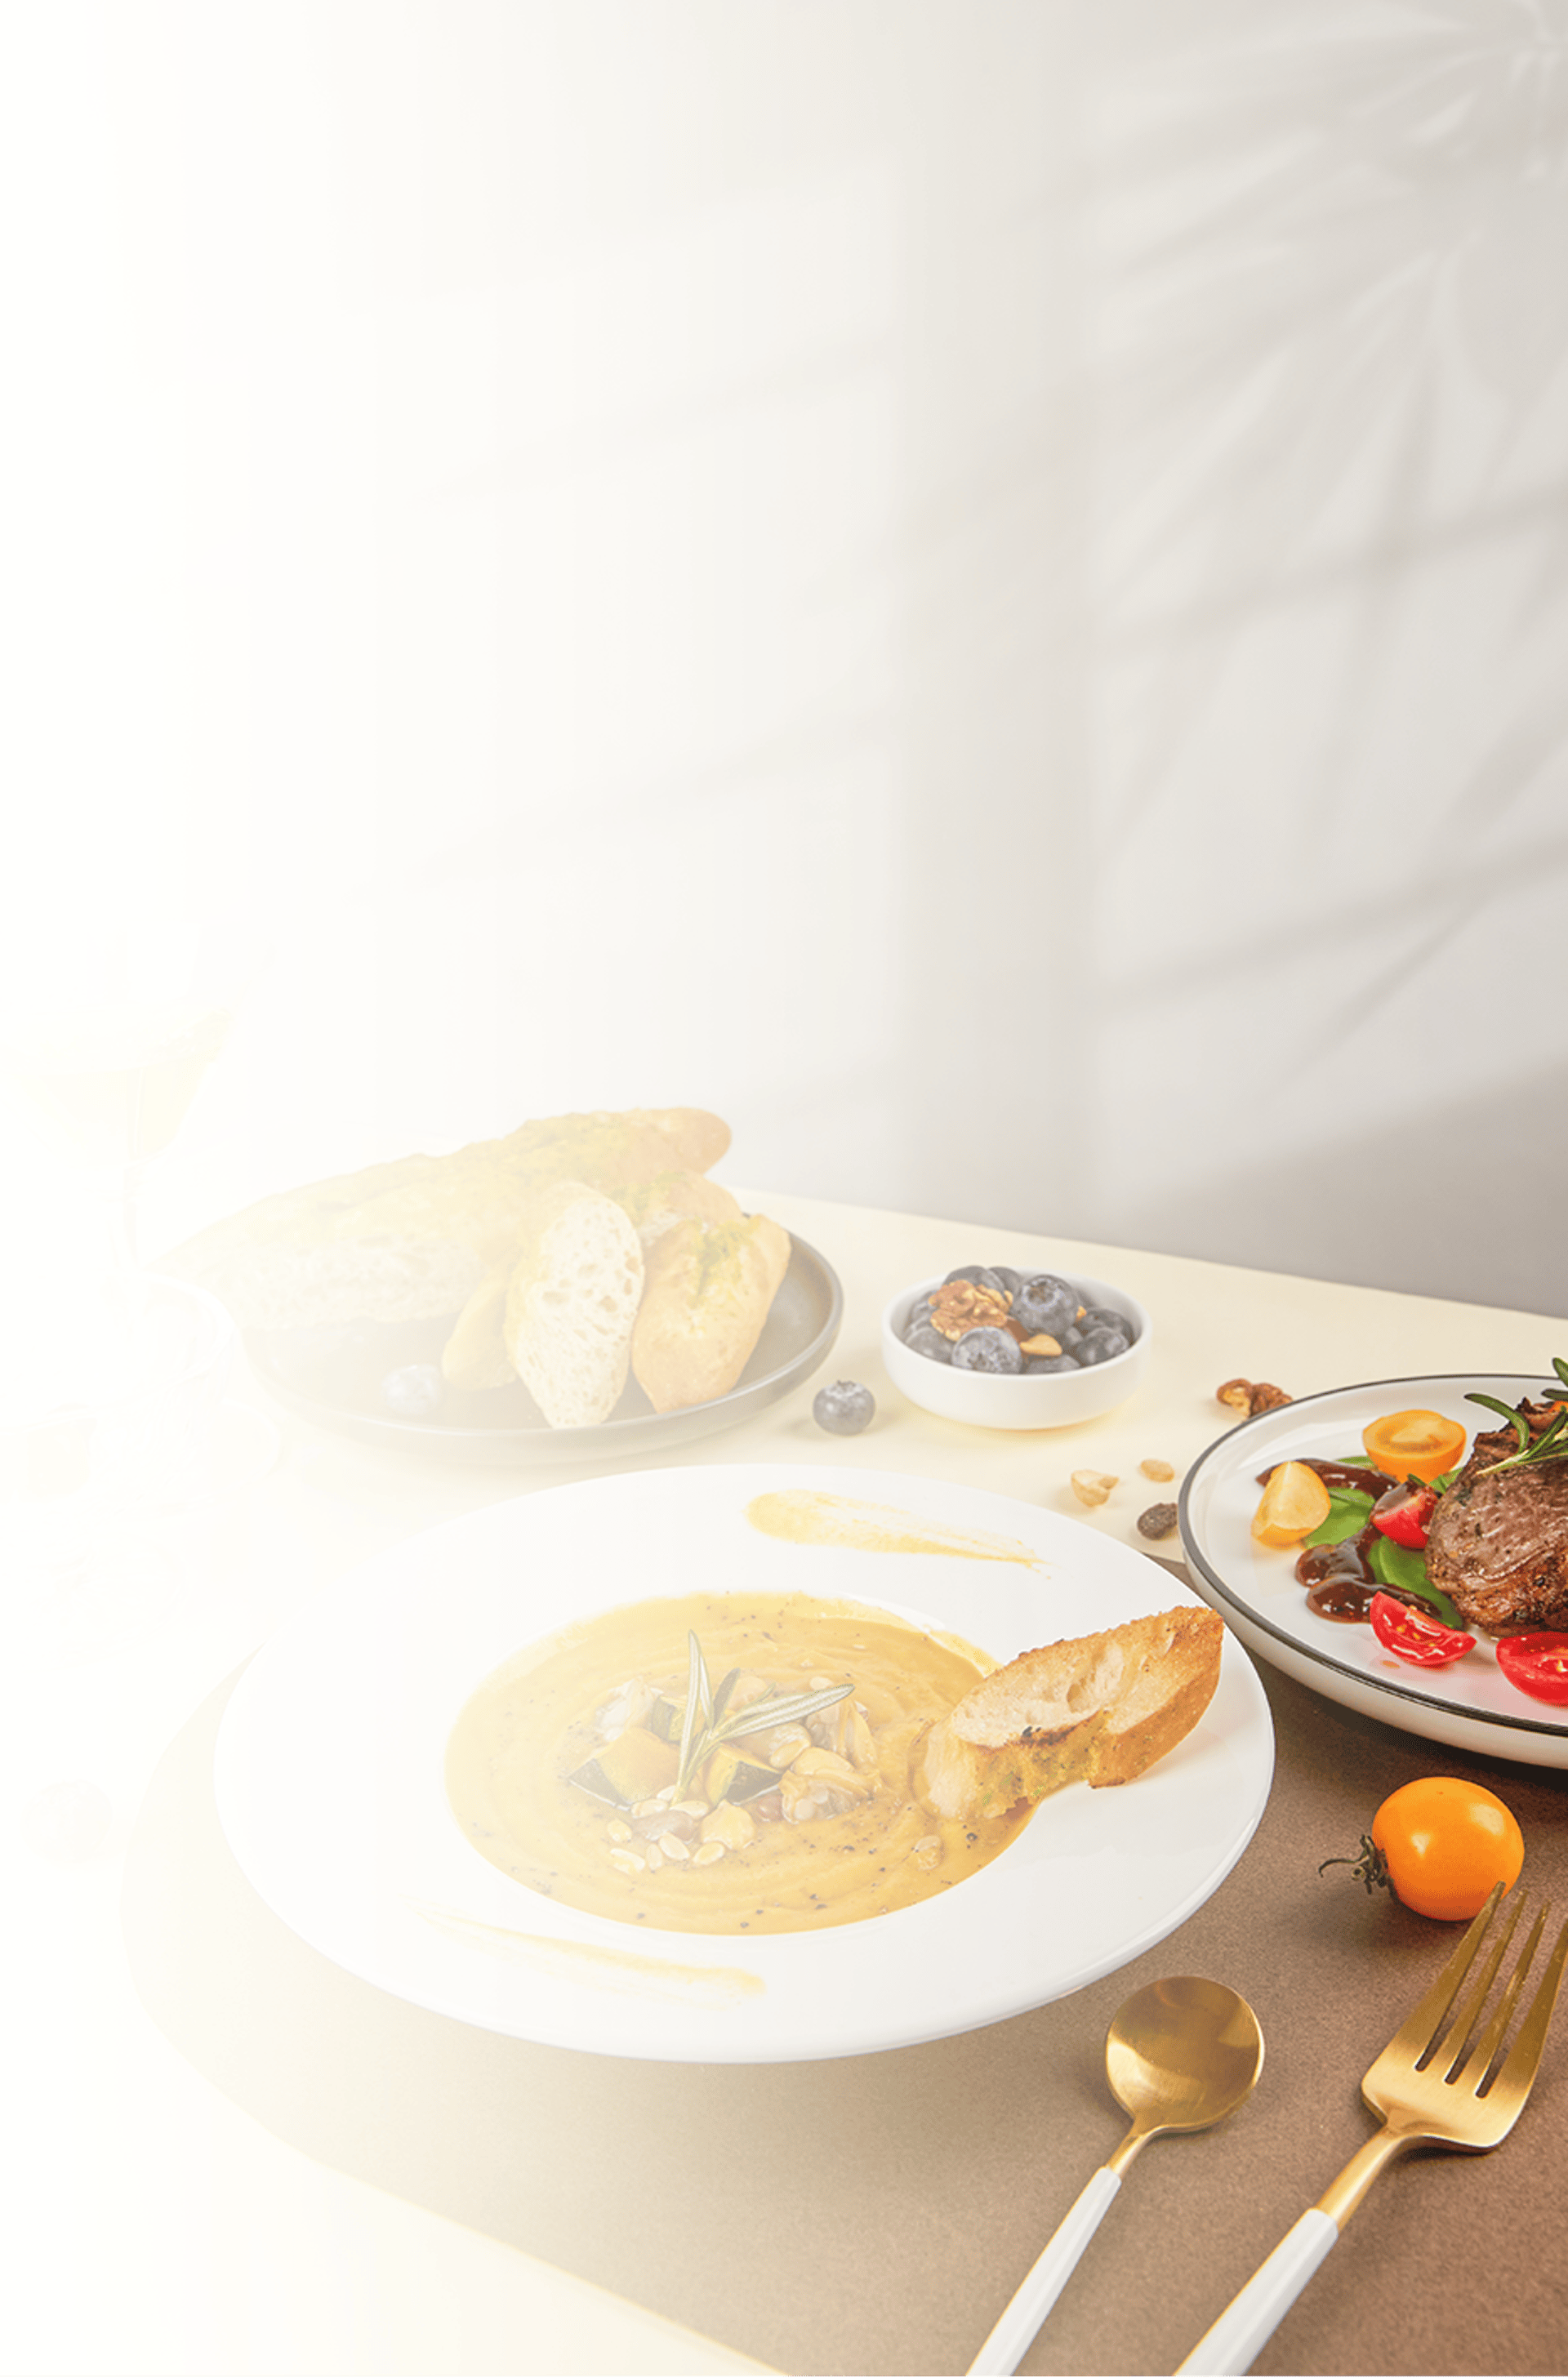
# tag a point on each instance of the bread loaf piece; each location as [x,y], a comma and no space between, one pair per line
[415,1240]
[1100,1709]
[654,1207]
[570,1303]
[707,1292]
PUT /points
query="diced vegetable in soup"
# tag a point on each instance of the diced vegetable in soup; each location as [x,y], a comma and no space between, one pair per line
[720,1764]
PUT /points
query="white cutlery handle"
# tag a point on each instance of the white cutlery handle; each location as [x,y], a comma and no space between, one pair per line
[1015,2331]
[1247,2323]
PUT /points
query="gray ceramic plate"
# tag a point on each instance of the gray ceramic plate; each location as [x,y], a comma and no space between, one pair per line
[333,1377]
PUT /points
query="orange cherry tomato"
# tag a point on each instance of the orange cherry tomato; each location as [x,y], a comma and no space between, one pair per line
[1294,1502]
[1413,1444]
[1440,1843]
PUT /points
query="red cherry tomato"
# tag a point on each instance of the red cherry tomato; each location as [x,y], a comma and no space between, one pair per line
[1538,1664]
[1404,1515]
[1425,1642]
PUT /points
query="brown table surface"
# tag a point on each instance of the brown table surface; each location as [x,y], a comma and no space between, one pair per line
[873,2214]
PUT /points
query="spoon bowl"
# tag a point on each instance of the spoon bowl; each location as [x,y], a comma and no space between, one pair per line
[1180,2055]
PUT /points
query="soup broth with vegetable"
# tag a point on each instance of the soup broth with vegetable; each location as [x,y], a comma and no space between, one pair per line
[786,1800]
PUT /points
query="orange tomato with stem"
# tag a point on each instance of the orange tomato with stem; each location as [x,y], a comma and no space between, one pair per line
[1439,1843]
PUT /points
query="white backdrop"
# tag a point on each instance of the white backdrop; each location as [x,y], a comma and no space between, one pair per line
[980,585]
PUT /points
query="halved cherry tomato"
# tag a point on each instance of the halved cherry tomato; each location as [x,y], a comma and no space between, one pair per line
[1538,1664]
[1411,1635]
[1294,1501]
[1440,1843]
[1403,1514]
[1413,1444]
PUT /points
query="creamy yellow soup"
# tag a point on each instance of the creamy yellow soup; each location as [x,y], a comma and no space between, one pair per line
[538,1720]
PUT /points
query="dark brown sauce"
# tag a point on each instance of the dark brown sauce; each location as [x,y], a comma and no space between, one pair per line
[1338,1577]
[1338,1473]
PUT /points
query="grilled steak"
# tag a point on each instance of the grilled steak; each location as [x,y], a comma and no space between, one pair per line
[1499,1545]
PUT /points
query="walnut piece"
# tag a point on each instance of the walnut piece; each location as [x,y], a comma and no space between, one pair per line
[1251,1398]
[1161,1469]
[1159,1520]
[961,1305]
[1092,1486]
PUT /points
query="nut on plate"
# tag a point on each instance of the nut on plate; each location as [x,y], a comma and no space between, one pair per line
[1092,1487]
[1251,1397]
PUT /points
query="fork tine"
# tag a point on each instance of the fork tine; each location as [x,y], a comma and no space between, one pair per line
[1417,2032]
[1519,2068]
[1480,2057]
[1458,2038]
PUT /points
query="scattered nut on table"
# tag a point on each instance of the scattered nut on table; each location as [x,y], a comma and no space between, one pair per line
[1251,1396]
[1159,1520]
[1156,1470]
[1092,1486]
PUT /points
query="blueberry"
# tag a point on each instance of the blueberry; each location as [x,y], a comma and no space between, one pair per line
[1049,1363]
[1095,1346]
[981,1274]
[987,1350]
[1011,1280]
[922,1338]
[1103,1317]
[1046,1303]
[844,1409]
[414,1390]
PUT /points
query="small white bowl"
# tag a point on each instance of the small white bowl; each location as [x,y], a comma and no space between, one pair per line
[1018,1399]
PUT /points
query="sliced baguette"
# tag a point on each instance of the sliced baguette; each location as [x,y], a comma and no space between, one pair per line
[658,1205]
[1099,1709]
[415,1240]
[710,1289]
[572,1301]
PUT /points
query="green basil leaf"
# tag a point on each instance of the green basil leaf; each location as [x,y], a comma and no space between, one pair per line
[1397,1565]
[1349,1508]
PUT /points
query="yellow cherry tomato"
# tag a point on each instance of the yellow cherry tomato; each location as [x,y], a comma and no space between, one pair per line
[1294,1502]
[1440,1843]
[1414,1445]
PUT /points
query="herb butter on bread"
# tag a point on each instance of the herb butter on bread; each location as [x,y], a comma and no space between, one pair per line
[1099,1709]
[708,1290]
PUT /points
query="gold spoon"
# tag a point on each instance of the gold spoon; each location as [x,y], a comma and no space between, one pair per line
[1179,2056]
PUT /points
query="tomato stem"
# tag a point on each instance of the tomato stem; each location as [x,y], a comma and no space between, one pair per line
[1370,1868]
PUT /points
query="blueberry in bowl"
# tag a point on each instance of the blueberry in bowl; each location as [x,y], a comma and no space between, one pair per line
[1007,1346]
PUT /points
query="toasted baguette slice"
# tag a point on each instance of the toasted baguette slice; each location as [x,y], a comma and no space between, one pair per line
[572,1301]
[708,1292]
[1099,1709]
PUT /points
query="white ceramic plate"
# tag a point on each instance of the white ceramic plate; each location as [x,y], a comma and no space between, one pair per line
[329,1775]
[1470,1704]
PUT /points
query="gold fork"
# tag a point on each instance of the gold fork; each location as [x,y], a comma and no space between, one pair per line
[1433,2087]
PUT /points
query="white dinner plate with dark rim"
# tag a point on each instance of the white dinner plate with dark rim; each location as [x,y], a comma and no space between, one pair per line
[329,1774]
[1255,1589]
[333,1376]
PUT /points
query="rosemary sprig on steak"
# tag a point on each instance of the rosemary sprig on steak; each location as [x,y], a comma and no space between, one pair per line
[1549,1444]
